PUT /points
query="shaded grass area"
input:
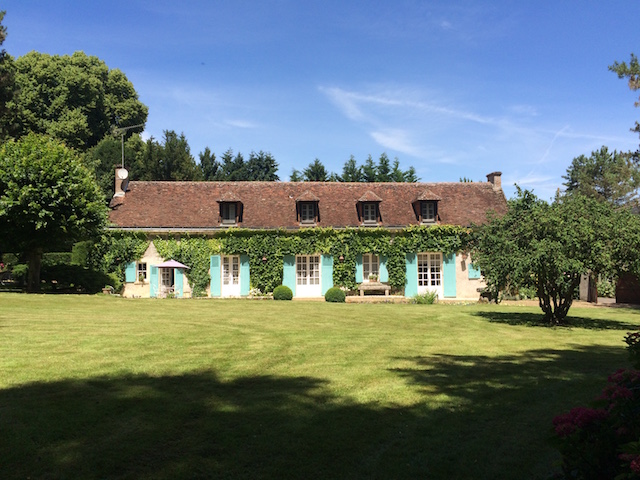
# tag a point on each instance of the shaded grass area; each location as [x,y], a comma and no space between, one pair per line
[94,387]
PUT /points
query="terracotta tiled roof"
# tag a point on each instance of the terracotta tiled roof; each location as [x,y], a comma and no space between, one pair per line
[428,195]
[307,196]
[194,206]
[369,196]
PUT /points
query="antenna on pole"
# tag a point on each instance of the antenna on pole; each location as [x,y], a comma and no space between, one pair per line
[122,131]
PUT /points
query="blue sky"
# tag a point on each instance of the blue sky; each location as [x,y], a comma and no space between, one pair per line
[454,88]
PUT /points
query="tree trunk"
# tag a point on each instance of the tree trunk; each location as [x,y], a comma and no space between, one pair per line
[35,261]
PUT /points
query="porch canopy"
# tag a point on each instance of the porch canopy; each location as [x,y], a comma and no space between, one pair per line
[170,264]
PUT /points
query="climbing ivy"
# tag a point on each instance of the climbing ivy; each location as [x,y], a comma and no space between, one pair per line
[266,250]
[114,249]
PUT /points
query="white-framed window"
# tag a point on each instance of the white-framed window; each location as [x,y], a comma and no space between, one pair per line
[429,269]
[231,270]
[141,271]
[427,211]
[370,212]
[307,212]
[308,270]
[370,266]
[229,213]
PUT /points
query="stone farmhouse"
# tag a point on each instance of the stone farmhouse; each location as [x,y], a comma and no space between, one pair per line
[209,209]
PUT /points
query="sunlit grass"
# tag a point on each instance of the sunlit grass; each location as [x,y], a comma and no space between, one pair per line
[104,387]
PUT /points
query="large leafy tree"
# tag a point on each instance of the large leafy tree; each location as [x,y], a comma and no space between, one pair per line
[7,84]
[49,199]
[610,176]
[74,98]
[549,246]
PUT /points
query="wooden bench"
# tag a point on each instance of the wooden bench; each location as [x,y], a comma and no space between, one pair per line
[374,287]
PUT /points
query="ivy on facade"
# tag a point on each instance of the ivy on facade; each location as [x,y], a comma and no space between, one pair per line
[266,250]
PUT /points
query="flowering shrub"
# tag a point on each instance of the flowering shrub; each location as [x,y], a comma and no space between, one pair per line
[603,442]
[633,347]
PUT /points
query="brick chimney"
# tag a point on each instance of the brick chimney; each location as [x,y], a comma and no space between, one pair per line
[122,179]
[496,179]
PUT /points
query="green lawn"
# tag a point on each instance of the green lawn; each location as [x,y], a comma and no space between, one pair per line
[103,387]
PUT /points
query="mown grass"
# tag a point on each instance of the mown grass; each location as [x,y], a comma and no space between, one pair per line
[103,387]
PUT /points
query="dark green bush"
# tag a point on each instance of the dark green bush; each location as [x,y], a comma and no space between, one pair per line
[56,258]
[335,295]
[77,279]
[282,292]
[19,272]
[80,252]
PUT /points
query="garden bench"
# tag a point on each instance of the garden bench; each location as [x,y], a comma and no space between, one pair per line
[374,287]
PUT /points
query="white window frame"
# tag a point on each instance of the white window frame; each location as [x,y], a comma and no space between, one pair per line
[227,218]
[370,266]
[428,211]
[231,270]
[308,270]
[307,212]
[370,213]
[141,269]
[430,270]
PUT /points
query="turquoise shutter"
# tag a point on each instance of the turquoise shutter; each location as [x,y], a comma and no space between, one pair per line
[130,272]
[214,272]
[384,274]
[411,285]
[289,272]
[359,270]
[474,272]
[326,273]
[449,275]
[244,275]
[178,286]
[153,282]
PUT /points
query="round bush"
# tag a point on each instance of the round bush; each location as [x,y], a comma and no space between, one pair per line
[282,292]
[334,294]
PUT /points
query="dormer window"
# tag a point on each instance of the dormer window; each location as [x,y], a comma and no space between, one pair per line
[307,209]
[370,213]
[369,208]
[428,211]
[229,213]
[230,210]
[425,207]
[307,212]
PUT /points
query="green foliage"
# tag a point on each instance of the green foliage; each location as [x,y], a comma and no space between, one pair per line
[426,298]
[114,249]
[19,272]
[194,252]
[72,98]
[612,177]
[260,167]
[606,288]
[315,172]
[80,253]
[7,82]
[335,295]
[632,339]
[56,258]
[631,72]
[77,279]
[549,246]
[282,292]
[48,199]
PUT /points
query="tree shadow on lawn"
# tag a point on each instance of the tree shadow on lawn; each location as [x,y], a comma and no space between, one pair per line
[474,417]
[537,320]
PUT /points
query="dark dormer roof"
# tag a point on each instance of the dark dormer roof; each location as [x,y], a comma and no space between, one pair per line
[194,206]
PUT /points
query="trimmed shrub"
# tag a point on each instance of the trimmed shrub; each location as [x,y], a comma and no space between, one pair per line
[426,298]
[282,292]
[632,339]
[77,279]
[335,295]
[56,258]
